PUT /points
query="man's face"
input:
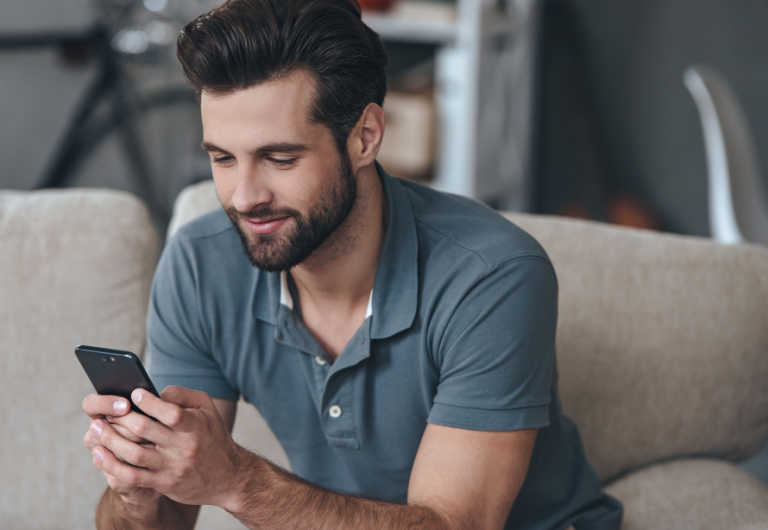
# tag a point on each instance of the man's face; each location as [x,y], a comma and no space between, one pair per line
[278,175]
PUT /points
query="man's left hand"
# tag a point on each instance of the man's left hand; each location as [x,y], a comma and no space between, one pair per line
[193,460]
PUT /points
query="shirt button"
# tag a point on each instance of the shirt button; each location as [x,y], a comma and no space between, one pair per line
[334,411]
[319,360]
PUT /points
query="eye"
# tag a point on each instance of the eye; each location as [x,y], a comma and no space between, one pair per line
[222,159]
[284,162]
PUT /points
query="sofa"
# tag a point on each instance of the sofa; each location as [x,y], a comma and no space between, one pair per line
[662,357]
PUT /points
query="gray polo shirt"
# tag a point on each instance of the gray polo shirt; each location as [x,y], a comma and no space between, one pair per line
[460,332]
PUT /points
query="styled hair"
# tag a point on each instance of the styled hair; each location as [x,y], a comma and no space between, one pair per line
[246,42]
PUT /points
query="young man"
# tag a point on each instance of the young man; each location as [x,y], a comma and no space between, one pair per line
[400,342]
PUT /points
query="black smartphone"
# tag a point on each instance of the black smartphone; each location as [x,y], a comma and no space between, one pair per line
[114,372]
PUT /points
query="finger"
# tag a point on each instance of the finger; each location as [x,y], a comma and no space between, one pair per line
[186,397]
[90,440]
[96,405]
[121,476]
[142,427]
[124,431]
[129,452]
[165,412]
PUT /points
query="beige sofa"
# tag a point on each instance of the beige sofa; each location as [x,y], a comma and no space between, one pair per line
[662,352]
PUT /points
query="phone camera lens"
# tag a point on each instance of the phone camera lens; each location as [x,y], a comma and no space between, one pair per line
[111,359]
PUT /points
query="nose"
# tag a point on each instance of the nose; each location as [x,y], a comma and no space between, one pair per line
[251,191]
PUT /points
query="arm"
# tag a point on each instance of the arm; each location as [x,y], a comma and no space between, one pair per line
[460,478]
[128,507]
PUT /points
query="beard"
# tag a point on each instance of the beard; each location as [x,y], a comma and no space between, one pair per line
[279,252]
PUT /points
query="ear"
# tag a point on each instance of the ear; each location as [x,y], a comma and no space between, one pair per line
[365,138]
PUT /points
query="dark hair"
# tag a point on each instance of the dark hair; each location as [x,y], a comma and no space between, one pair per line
[245,42]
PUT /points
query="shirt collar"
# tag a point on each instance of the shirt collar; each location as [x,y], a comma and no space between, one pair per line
[393,301]
[395,290]
[286,299]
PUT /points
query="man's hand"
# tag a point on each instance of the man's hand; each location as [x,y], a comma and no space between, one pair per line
[141,503]
[191,459]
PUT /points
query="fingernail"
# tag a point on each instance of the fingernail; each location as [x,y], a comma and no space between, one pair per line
[136,395]
[95,427]
[97,456]
[120,405]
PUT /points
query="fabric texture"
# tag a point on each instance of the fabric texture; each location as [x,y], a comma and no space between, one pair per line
[461,334]
[662,342]
[75,267]
[695,494]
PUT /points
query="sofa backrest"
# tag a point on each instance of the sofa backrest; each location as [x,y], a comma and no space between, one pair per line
[662,342]
[662,339]
[75,267]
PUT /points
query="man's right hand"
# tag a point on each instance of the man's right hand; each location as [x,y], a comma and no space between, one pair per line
[141,503]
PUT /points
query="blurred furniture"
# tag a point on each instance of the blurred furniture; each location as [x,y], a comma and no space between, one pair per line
[738,204]
[115,108]
[75,267]
[662,345]
[484,56]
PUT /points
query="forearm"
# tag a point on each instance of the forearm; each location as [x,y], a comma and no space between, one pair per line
[113,513]
[269,497]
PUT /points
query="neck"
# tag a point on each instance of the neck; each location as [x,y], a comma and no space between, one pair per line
[341,272]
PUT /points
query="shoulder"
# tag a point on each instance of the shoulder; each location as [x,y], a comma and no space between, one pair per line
[208,226]
[207,251]
[451,228]
[208,237]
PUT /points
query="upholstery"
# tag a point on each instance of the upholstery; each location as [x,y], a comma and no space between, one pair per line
[75,267]
[692,494]
[662,342]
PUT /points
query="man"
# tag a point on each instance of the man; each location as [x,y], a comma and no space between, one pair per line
[398,341]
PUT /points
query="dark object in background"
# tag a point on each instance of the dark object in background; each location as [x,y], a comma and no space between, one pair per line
[128,114]
[376,5]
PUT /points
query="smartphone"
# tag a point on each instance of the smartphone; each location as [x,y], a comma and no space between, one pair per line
[114,372]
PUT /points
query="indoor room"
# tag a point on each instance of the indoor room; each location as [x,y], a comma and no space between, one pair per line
[384,264]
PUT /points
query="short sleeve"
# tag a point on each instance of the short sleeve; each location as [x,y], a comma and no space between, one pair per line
[177,345]
[497,354]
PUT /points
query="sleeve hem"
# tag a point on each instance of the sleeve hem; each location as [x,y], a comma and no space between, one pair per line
[488,419]
[211,386]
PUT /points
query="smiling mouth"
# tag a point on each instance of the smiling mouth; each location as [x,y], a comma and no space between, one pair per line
[265,226]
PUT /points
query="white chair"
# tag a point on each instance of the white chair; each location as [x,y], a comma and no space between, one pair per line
[738,204]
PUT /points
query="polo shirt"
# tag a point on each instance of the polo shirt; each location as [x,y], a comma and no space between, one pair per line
[460,331]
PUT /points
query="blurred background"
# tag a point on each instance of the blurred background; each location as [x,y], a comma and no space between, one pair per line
[569,107]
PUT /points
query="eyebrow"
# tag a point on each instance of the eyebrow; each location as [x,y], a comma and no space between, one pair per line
[280,147]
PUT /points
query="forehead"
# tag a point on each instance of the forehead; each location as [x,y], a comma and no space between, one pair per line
[276,109]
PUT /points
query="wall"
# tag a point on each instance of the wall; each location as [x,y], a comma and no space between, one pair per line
[648,134]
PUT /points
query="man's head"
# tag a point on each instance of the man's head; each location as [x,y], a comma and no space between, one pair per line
[283,83]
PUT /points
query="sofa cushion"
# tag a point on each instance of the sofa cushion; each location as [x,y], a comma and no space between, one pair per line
[662,342]
[75,267]
[692,494]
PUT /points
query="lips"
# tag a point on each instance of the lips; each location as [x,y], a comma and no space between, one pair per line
[265,226]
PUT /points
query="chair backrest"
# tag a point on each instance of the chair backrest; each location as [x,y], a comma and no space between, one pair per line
[75,267]
[738,203]
[662,339]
